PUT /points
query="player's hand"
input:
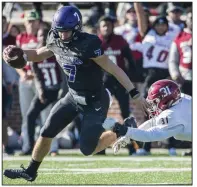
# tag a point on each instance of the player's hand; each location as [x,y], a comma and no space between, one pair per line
[121,142]
[14,56]
[142,104]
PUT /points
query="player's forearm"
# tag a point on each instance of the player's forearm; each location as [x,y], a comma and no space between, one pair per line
[37,55]
[121,76]
[142,24]
[153,134]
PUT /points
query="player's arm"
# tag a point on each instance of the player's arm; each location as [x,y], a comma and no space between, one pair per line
[105,63]
[17,58]
[137,46]
[159,128]
[141,20]
[156,133]
[37,55]
[173,63]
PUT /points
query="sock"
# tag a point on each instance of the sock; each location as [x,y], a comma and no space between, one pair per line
[33,167]
[119,129]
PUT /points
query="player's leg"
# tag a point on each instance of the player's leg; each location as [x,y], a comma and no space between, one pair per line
[33,112]
[63,112]
[61,115]
[26,94]
[93,138]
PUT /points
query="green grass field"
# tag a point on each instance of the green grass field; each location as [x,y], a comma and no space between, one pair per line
[73,168]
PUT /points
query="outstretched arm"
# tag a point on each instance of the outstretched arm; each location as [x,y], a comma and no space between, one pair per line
[17,57]
[141,20]
[37,55]
[157,133]
[105,63]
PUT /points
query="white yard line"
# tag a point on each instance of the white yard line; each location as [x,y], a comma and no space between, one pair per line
[95,158]
[110,170]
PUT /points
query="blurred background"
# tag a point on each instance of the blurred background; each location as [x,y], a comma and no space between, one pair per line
[19,87]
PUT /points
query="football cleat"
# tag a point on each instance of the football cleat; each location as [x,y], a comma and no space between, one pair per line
[19,173]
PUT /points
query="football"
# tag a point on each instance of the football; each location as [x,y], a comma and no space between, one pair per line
[14,56]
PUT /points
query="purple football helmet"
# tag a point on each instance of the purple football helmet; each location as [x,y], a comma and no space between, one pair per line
[67,18]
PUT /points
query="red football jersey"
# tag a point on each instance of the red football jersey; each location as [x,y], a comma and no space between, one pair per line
[51,74]
[113,49]
[136,54]
[26,41]
[184,45]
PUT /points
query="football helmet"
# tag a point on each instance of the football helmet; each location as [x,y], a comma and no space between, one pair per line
[67,18]
[162,95]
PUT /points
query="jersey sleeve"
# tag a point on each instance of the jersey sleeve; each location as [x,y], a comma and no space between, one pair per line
[94,48]
[50,39]
[164,126]
[137,46]
[173,62]
[154,134]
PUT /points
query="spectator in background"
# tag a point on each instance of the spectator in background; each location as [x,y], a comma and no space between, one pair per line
[47,81]
[180,58]
[9,79]
[174,16]
[8,39]
[155,48]
[131,34]
[38,8]
[27,40]
[14,31]
[117,49]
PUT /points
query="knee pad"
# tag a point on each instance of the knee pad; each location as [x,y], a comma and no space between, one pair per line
[87,148]
[44,132]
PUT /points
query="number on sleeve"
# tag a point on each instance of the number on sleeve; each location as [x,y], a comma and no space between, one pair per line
[164,120]
[97,52]
[71,71]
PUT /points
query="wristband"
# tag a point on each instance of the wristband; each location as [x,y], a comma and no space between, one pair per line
[134,93]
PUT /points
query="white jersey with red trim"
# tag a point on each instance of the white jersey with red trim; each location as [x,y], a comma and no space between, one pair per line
[174,122]
[155,48]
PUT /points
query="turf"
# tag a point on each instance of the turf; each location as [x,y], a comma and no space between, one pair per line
[106,170]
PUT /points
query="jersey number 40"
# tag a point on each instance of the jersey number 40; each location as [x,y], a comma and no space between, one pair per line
[162,56]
